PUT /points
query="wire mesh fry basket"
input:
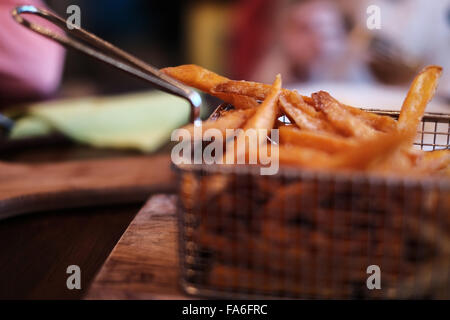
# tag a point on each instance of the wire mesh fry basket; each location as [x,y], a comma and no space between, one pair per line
[305,234]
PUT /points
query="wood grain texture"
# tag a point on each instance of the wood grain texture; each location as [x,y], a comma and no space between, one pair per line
[36,249]
[26,188]
[144,263]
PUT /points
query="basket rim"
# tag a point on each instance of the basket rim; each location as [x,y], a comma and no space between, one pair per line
[341,176]
[338,176]
[431,116]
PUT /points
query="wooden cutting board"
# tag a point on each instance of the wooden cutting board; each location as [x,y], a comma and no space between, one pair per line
[32,188]
[144,263]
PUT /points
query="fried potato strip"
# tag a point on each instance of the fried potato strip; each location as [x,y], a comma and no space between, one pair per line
[421,92]
[343,120]
[302,119]
[233,119]
[263,119]
[205,80]
[376,121]
[322,141]
[266,113]
[323,133]
[260,91]
[377,150]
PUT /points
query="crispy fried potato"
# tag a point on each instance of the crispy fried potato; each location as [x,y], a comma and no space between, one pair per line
[342,119]
[299,102]
[323,141]
[265,115]
[376,121]
[263,119]
[260,91]
[373,151]
[398,162]
[239,102]
[434,161]
[205,80]
[302,119]
[421,92]
[436,155]
[301,156]
[247,88]
[232,119]
[195,76]
[321,125]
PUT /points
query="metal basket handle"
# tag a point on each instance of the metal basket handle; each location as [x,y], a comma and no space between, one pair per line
[106,52]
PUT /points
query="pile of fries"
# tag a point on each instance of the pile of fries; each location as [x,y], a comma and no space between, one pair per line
[304,235]
[323,133]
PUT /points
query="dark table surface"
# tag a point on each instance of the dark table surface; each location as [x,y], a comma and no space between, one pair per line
[36,249]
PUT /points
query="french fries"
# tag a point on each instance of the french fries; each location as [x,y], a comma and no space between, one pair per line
[205,80]
[233,119]
[421,92]
[266,113]
[373,151]
[378,122]
[341,118]
[323,133]
[303,157]
[260,91]
[195,76]
[263,119]
[264,234]
[434,161]
[302,119]
[323,141]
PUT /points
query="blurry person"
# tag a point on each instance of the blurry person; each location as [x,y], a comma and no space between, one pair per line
[30,65]
[412,34]
[308,42]
[251,29]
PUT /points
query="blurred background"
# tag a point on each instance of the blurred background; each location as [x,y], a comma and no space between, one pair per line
[305,40]
[314,44]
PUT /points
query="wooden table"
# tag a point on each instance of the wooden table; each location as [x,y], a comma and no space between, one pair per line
[144,263]
[36,249]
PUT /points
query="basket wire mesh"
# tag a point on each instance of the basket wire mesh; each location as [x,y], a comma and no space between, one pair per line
[304,234]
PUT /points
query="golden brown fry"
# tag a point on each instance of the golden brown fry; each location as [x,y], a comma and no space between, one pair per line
[263,119]
[233,119]
[398,162]
[373,151]
[195,76]
[436,155]
[342,119]
[266,113]
[205,80]
[247,88]
[434,161]
[420,93]
[260,91]
[299,102]
[302,119]
[239,102]
[376,121]
[301,156]
[323,141]
[322,121]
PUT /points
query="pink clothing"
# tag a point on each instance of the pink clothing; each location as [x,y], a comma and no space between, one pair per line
[30,65]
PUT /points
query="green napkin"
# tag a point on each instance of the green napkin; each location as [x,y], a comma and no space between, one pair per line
[142,121]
